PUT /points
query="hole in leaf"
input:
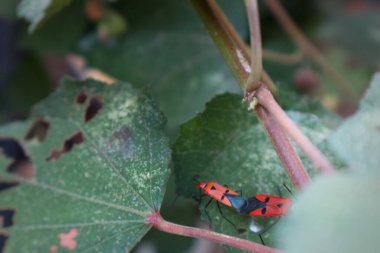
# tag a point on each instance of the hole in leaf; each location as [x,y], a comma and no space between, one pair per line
[6,217]
[93,108]
[3,240]
[38,130]
[81,98]
[21,165]
[4,185]
[68,145]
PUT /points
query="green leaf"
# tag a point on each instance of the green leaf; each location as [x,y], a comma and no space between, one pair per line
[227,144]
[338,213]
[46,39]
[101,185]
[357,140]
[34,11]
[170,53]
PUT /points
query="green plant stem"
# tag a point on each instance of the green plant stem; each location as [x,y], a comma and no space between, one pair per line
[235,38]
[307,47]
[319,160]
[233,55]
[283,58]
[254,78]
[159,223]
[282,145]
[284,149]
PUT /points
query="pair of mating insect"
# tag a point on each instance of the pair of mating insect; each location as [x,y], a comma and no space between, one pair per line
[258,205]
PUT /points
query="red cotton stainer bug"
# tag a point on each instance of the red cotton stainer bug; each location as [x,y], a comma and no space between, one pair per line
[258,205]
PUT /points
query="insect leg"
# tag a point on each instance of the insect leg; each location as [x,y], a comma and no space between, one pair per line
[269,226]
[195,178]
[205,209]
[198,197]
[221,213]
[262,240]
[287,188]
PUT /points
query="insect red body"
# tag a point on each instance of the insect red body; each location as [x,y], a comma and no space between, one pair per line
[259,205]
[266,205]
[217,192]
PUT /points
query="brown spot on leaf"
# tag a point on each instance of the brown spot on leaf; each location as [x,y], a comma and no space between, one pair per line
[21,164]
[6,217]
[81,98]
[68,145]
[121,143]
[3,240]
[378,128]
[38,130]
[93,108]
[4,185]
[124,134]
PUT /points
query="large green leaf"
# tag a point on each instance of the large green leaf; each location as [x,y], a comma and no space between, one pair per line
[227,144]
[102,185]
[34,11]
[168,51]
[357,140]
[338,213]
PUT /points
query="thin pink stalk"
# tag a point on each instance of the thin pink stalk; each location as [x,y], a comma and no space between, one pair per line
[319,160]
[285,150]
[159,223]
[256,49]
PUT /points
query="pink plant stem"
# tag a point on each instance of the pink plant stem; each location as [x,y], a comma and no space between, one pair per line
[320,161]
[256,50]
[284,149]
[159,223]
